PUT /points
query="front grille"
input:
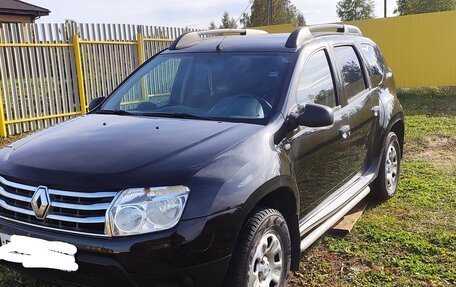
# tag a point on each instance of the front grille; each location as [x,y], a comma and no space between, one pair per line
[80,212]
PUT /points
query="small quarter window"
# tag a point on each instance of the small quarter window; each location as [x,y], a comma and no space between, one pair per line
[316,84]
[376,64]
[350,67]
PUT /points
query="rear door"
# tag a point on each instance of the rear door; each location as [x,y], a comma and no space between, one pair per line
[320,155]
[362,104]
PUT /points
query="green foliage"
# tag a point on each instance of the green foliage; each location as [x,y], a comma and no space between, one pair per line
[227,22]
[350,10]
[212,25]
[264,13]
[245,20]
[280,12]
[409,7]
[431,112]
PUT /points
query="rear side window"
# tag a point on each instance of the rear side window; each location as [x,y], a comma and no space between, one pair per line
[350,67]
[376,64]
[316,83]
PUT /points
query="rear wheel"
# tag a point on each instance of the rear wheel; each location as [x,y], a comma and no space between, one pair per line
[386,183]
[263,253]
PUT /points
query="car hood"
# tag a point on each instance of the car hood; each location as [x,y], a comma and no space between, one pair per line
[109,151]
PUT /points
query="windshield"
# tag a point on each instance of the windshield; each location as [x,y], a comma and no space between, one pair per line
[220,86]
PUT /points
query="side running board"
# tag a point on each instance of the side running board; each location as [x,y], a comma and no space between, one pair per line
[326,225]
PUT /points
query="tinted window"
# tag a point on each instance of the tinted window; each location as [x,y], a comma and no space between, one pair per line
[232,86]
[352,74]
[316,83]
[375,60]
[154,87]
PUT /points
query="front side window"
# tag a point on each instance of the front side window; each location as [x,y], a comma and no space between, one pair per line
[352,73]
[316,84]
[376,64]
[220,86]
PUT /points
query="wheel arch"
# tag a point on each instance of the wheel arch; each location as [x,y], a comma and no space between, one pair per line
[398,127]
[280,194]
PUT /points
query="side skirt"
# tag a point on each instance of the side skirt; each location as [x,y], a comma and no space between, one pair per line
[326,225]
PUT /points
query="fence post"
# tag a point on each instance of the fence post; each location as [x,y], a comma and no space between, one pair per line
[140,40]
[3,133]
[80,75]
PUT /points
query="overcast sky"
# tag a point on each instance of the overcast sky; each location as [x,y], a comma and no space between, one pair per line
[179,13]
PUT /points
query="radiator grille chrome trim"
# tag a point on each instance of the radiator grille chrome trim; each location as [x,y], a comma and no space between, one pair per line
[53,228]
[5,193]
[82,194]
[72,212]
[99,219]
[96,206]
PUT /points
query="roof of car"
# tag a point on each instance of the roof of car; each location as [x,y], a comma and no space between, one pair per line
[254,43]
[250,40]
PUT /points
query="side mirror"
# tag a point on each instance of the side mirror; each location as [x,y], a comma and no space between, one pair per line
[315,116]
[95,103]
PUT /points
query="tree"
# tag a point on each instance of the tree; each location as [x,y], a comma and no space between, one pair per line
[350,10]
[227,22]
[273,12]
[212,25]
[245,20]
[408,7]
[301,19]
[71,28]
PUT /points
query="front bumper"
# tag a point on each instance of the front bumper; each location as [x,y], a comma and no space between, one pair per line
[195,253]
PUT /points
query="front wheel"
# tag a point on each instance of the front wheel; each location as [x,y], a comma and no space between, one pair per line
[263,253]
[386,183]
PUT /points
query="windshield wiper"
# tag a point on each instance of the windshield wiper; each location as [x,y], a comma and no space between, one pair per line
[115,112]
[175,115]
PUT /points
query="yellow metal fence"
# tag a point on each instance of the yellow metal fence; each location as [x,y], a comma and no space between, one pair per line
[420,49]
[49,72]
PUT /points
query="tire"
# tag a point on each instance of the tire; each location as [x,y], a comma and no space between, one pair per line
[385,186]
[264,239]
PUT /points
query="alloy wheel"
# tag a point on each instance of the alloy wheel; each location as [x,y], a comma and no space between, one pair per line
[266,267]
[391,168]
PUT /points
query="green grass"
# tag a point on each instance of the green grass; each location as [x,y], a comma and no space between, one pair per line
[407,241]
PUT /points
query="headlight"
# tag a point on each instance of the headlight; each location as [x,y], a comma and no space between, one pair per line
[145,210]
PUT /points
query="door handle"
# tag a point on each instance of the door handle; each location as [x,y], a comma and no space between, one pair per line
[345,131]
[375,110]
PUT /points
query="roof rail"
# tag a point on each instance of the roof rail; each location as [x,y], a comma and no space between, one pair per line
[303,34]
[298,36]
[340,28]
[193,37]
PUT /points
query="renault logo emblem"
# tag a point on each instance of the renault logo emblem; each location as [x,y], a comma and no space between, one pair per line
[41,202]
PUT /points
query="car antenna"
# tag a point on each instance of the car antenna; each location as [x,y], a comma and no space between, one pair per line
[219,45]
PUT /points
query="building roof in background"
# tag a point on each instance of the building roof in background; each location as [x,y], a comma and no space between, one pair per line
[22,8]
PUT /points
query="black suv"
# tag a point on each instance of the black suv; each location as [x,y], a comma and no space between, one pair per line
[216,162]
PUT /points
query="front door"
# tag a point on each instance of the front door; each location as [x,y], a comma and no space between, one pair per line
[321,156]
